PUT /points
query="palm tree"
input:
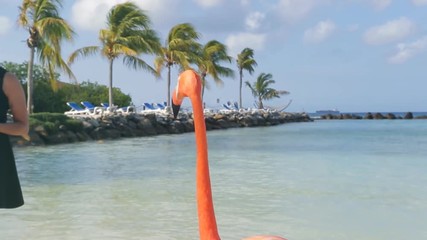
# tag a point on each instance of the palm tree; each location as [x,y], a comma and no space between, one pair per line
[180,49]
[262,91]
[128,34]
[245,61]
[210,57]
[47,31]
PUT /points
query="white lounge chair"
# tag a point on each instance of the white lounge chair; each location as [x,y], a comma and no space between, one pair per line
[92,108]
[76,109]
[127,109]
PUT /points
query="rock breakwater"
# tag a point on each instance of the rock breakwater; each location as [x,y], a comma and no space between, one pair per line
[105,127]
[370,116]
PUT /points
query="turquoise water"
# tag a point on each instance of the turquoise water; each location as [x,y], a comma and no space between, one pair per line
[330,180]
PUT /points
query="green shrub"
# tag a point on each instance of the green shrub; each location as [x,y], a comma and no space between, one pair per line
[50,117]
[52,121]
[51,127]
[35,122]
[74,125]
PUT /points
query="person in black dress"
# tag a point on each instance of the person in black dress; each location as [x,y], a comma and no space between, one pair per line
[11,98]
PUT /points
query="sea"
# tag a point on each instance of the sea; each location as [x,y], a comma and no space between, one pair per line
[326,179]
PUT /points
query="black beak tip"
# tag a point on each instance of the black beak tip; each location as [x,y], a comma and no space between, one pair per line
[175,110]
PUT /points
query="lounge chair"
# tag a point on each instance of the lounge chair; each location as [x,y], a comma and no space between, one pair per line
[226,106]
[92,108]
[161,105]
[127,109]
[226,109]
[76,109]
[236,106]
[149,106]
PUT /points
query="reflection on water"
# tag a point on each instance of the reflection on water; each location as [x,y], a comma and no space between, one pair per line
[322,180]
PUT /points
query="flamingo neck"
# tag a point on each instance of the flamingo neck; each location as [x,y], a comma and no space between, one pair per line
[207,223]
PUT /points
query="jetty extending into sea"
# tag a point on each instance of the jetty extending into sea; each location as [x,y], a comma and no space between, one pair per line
[116,126]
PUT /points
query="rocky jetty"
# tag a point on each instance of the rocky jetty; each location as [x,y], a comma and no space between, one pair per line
[117,126]
[370,116]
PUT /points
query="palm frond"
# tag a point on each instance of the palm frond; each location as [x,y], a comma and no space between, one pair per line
[137,63]
[159,64]
[55,26]
[184,31]
[246,61]
[121,49]
[261,88]
[209,58]
[25,13]
[282,92]
[52,59]
[83,52]
[254,92]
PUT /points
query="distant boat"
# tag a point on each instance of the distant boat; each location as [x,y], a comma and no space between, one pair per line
[331,111]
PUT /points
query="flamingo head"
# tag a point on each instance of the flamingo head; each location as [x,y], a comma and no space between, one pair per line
[188,85]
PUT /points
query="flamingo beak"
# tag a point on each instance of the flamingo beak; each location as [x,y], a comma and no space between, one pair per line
[175,109]
[176,104]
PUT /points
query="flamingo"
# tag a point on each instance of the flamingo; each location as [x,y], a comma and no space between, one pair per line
[189,85]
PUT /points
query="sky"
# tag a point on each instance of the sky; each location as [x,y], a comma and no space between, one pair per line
[350,55]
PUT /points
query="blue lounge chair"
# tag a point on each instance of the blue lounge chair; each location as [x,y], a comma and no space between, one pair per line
[149,106]
[76,109]
[236,106]
[226,106]
[161,105]
[92,108]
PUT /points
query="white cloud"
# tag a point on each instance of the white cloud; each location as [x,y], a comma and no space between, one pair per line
[158,12]
[320,32]
[419,2]
[381,4]
[254,20]
[405,51]
[5,25]
[208,3]
[92,15]
[389,32]
[294,10]
[237,42]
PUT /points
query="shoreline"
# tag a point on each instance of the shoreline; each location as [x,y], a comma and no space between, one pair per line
[117,126]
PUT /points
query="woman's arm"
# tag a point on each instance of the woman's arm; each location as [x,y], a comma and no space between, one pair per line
[15,94]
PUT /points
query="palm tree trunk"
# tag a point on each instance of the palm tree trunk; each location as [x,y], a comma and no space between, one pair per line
[203,85]
[203,91]
[30,82]
[240,92]
[110,87]
[260,106]
[169,87]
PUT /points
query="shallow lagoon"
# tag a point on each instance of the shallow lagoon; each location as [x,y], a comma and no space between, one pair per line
[319,180]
